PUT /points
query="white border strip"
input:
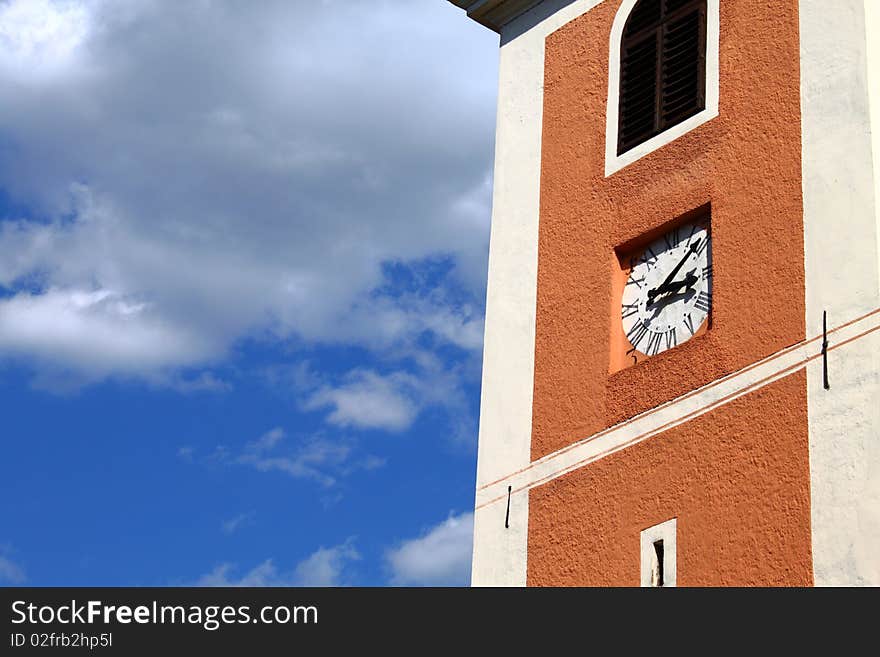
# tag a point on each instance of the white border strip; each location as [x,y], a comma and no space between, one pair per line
[840,108]
[499,557]
[675,412]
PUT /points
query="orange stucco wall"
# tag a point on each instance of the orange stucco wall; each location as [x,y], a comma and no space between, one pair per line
[714,474]
[734,478]
[746,163]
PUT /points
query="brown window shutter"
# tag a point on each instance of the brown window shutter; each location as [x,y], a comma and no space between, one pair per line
[638,93]
[674,5]
[662,72]
[683,65]
[644,15]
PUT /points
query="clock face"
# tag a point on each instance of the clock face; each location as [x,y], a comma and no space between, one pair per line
[668,294]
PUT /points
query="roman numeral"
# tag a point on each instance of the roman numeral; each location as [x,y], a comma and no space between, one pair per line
[671,338]
[635,281]
[691,236]
[707,272]
[628,310]
[689,323]
[636,334]
[704,301]
[704,242]
[654,344]
[674,235]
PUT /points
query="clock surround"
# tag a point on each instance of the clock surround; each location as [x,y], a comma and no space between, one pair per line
[662,289]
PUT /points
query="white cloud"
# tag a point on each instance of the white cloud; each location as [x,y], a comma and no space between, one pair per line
[206,186]
[310,461]
[234,524]
[11,572]
[186,452]
[203,382]
[369,401]
[39,38]
[366,399]
[265,574]
[268,441]
[315,458]
[401,319]
[440,557]
[324,567]
[98,332]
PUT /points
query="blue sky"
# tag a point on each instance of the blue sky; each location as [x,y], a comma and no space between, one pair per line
[242,276]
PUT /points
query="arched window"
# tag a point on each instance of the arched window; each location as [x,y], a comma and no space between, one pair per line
[662,68]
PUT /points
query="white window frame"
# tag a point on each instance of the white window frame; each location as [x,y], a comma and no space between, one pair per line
[615,162]
[665,532]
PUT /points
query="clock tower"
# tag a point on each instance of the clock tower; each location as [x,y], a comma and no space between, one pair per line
[681,377]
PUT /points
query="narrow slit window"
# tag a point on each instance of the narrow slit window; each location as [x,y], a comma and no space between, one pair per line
[662,68]
[657,565]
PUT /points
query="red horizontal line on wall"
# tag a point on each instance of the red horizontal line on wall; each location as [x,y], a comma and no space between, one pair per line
[684,418]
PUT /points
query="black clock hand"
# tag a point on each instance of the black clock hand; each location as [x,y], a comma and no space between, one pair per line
[665,284]
[687,281]
[660,304]
[663,287]
[674,290]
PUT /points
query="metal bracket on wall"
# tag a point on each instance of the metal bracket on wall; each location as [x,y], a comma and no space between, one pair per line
[825,350]
[507,517]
